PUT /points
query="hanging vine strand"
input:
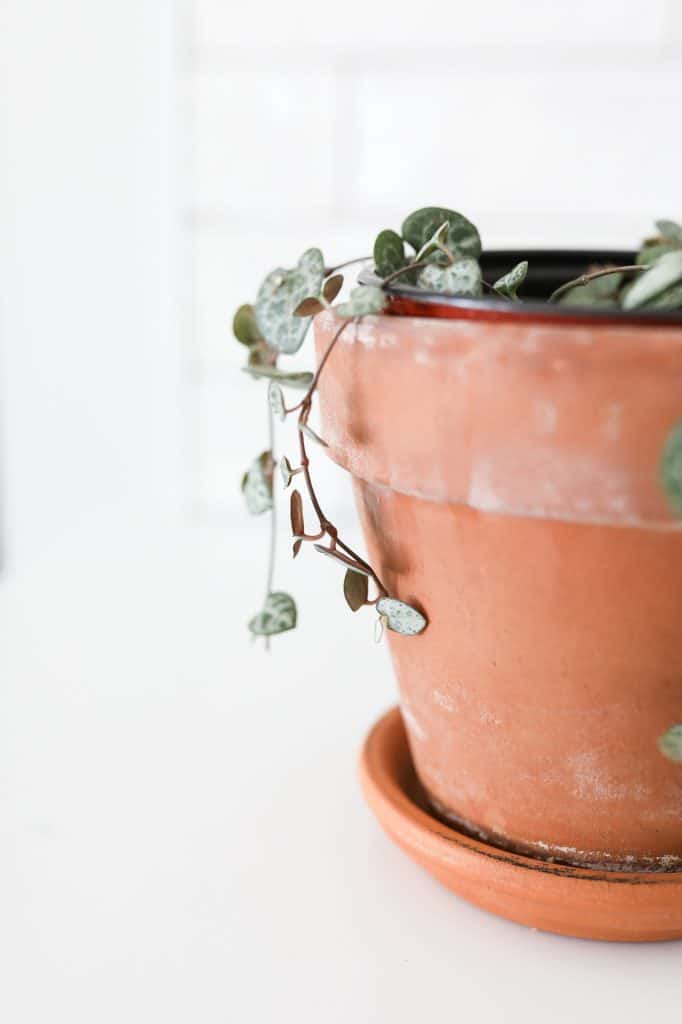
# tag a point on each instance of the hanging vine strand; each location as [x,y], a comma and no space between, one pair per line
[437,250]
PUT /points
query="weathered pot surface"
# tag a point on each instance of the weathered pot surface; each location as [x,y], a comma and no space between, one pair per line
[506,474]
[618,906]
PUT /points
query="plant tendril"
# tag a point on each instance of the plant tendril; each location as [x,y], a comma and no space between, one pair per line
[592,276]
[326,525]
[286,302]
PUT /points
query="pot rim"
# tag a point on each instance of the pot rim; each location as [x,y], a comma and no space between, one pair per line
[552,265]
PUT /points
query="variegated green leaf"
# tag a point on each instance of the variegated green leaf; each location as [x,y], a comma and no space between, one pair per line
[462,279]
[510,282]
[277,615]
[671,231]
[389,253]
[280,294]
[257,484]
[671,468]
[670,743]
[276,400]
[300,381]
[462,238]
[666,272]
[362,301]
[401,617]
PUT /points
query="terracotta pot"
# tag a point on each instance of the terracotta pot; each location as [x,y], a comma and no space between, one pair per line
[506,474]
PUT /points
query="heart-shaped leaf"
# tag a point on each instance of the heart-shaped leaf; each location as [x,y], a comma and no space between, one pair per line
[364,300]
[389,253]
[277,616]
[296,514]
[401,617]
[257,484]
[670,230]
[244,326]
[276,400]
[670,743]
[671,468]
[332,287]
[280,294]
[311,435]
[510,282]
[463,240]
[666,271]
[309,307]
[338,556]
[300,381]
[460,279]
[355,587]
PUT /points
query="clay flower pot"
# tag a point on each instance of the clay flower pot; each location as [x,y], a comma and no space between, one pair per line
[505,460]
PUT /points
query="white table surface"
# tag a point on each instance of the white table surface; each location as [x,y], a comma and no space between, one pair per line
[184,840]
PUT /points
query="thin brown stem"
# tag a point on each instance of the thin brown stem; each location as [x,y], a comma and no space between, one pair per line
[403,270]
[448,252]
[305,463]
[493,289]
[295,408]
[304,404]
[361,562]
[586,278]
[326,525]
[311,536]
[348,263]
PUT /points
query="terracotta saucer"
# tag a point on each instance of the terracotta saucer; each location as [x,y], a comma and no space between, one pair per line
[613,905]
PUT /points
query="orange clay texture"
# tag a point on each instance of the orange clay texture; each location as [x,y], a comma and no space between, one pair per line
[507,481]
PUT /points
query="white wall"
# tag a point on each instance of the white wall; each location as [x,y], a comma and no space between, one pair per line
[90,350]
[159,157]
[546,123]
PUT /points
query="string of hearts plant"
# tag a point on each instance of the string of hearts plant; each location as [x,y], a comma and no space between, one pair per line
[279,610]
[437,250]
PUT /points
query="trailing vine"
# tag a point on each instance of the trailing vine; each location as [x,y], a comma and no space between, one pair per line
[437,250]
